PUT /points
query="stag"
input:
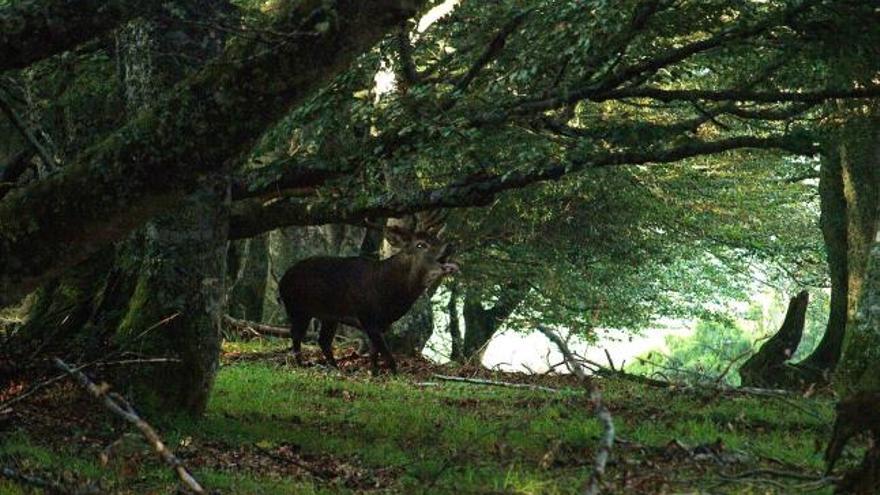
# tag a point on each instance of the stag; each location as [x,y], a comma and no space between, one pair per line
[366,293]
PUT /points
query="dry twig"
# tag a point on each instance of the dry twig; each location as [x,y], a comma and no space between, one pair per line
[494,383]
[593,486]
[118,405]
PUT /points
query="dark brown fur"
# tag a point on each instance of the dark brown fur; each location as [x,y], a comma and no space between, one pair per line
[361,292]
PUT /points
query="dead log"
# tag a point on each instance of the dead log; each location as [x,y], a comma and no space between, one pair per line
[259,329]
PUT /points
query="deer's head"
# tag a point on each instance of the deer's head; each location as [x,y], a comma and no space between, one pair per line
[421,247]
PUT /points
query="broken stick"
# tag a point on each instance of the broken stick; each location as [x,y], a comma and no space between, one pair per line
[122,408]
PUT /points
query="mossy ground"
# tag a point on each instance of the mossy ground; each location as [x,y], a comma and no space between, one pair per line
[273,428]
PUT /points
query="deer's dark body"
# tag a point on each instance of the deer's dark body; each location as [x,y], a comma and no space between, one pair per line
[360,292]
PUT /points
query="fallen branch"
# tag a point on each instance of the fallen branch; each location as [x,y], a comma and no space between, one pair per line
[316,472]
[593,486]
[122,408]
[259,328]
[781,474]
[764,392]
[480,381]
[606,372]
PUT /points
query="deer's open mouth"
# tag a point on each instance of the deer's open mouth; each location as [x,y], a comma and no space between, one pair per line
[449,266]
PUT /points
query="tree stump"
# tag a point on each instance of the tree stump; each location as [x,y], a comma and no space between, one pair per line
[767,367]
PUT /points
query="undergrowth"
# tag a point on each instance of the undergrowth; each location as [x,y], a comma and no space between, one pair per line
[273,428]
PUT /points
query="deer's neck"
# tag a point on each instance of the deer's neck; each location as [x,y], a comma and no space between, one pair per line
[403,281]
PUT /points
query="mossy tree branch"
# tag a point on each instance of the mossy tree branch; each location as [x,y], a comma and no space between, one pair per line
[212,117]
[250,218]
[33,30]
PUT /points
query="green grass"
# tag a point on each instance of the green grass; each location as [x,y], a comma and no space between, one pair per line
[454,438]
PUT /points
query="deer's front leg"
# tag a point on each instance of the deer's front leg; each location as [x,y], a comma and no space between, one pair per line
[374,352]
[383,348]
[377,345]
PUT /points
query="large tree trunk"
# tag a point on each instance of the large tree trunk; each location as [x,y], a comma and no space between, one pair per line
[848,190]
[767,367]
[162,295]
[824,358]
[178,303]
[858,376]
[158,295]
[480,326]
[860,156]
[409,335]
[860,411]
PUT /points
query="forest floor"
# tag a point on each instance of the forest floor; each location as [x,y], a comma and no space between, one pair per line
[274,428]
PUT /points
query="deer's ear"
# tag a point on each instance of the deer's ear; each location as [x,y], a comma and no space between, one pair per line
[396,236]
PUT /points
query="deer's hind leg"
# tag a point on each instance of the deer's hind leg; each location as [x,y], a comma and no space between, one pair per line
[325,340]
[299,323]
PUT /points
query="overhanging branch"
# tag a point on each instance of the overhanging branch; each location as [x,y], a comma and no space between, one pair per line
[408,71]
[285,174]
[633,75]
[250,218]
[812,97]
[492,50]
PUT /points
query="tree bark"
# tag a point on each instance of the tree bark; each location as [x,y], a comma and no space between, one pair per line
[409,335]
[858,413]
[159,294]
[153,162]
[178,303]
[859,374]
[833,219]
[860,366]
[479,328]
[767,367]
[162,293]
